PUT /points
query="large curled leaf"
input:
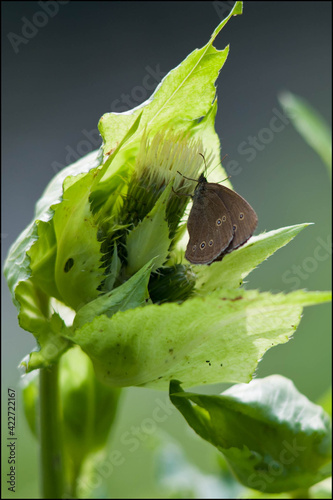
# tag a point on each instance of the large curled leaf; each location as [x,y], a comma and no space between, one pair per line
[218,338]
[183,97]
[273,437]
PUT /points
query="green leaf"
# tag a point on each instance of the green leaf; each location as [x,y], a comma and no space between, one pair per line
[114,270]
[117,150]
[205,131]
[51,337]
[16,268]
[310,125]
[63,180]
[273,437]
[42,256]
[184,96]
[204,340]
[48,328]
[78,267]
[133,293]
[150,239]
[230,272]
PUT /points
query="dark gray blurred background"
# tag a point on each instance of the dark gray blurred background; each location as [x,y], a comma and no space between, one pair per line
[95,57]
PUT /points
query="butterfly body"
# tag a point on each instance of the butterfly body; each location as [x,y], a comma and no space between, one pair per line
[219,222]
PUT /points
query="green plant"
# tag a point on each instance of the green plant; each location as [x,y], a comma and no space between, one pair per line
[100,280]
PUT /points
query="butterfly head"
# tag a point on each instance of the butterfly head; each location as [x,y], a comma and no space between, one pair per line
[202,179]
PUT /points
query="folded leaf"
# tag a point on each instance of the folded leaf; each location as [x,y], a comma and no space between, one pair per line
[230,272]
[133,293]
[150,239]
[273,437]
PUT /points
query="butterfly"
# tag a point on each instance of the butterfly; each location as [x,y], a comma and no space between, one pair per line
[219,222]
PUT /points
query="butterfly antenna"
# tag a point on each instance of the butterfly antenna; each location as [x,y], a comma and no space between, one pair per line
[181,194]
[204,159]
[215,165]
[188,178]
[229,176]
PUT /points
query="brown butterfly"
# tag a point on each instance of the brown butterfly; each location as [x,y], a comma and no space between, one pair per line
[219,222]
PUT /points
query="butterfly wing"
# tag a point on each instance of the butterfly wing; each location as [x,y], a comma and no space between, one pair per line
[209,226]
[244,219]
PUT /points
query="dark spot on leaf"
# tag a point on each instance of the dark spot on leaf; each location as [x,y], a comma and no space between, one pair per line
[170,351]
[69,264]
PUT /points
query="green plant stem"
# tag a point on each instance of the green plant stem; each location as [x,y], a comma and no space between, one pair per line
[50,434]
